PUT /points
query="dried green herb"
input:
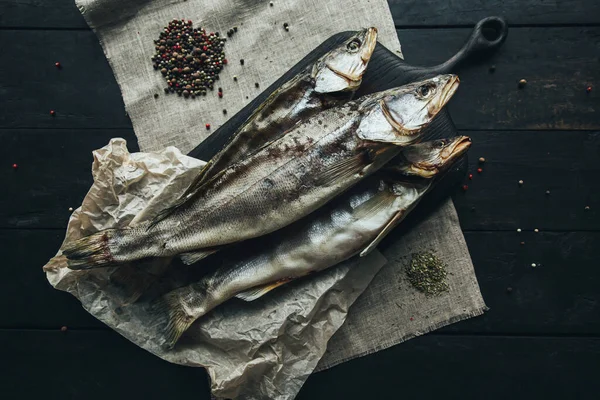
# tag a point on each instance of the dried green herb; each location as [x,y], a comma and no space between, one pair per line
[427,273]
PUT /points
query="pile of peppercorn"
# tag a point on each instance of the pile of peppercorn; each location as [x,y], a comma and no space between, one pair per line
[189,58]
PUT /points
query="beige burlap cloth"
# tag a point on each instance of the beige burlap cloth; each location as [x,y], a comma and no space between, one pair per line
[389,311]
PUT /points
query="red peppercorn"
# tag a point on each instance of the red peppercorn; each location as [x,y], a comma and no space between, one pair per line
[57,65]
[207,126]
[412,319]
[52,112]
[15,166]
[224,61]
[204,48]
[63,329]
[470,176]
[465,187]
[588,89]
[220,94]
[479,170]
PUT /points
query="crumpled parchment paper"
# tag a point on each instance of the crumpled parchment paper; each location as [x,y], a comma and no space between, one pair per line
[265,349]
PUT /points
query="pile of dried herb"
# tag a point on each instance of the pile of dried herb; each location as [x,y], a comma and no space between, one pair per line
[190,59]
[427,273]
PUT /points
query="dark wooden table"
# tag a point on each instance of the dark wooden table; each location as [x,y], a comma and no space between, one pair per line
[540,340]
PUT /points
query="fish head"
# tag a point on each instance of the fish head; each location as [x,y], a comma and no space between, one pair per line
[398,116]
[343,67]
[428,159]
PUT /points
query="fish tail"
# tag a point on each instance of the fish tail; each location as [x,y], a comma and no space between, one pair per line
[91,251]
[178,318]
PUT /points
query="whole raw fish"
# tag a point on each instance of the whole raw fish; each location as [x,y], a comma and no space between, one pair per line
[315,89]
[353,223]
[286,180]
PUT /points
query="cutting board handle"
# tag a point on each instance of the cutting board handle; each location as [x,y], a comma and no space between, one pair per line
[487,36]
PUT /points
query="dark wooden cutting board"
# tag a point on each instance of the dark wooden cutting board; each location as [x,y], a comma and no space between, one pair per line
[385,71]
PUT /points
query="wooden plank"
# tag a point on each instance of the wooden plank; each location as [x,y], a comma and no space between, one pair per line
[100,365]
[53,174]
[64,13]
[440,13]
[45,184]
[564,163]
[90,365]
[558,297]
[85,94]
[433,367]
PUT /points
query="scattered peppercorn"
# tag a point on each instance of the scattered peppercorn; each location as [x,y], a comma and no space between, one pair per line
[522,243]
[63,329]
[509,289]
[479,170]
[411,318]
[533,265]
[519,230]
[427,273]
[465,187]
[57,65]
[536,230]
[521,183]
[286,26]
[470,176]
[547,192]
[472,209]
[235,28]
[481,160]
[492,68]
[587,208]
[224,111]
[256,84]
[15,166]
[70,208]
[242,61]
[189,58]
[207,126]
[156,95]
[522,83]
[52,112]
[220,94]
[588,89]
[235,78]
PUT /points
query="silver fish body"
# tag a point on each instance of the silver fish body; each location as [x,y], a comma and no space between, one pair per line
[293,176]
[346,227]
[308,93]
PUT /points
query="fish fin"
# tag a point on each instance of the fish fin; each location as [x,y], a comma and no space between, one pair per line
[177,320]
[193,257]
[375,204]
[342,169]
[396,219]
[90,251]
[258,291]
[196,184]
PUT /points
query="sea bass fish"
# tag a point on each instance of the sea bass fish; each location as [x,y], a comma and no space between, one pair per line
[314,89]
[351,224]
[316,160]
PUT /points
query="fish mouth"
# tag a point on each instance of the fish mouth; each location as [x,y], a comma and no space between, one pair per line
[355,74]
[456,149]
[448,91]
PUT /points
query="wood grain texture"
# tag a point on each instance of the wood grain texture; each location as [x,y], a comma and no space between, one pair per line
[91,365]
[64,13]
[559,296]
[558,63]
[54,173]
[101,365]
[46,184]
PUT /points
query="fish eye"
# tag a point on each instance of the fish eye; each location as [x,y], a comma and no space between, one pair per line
[440,144]
[353,45]
[425,90]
